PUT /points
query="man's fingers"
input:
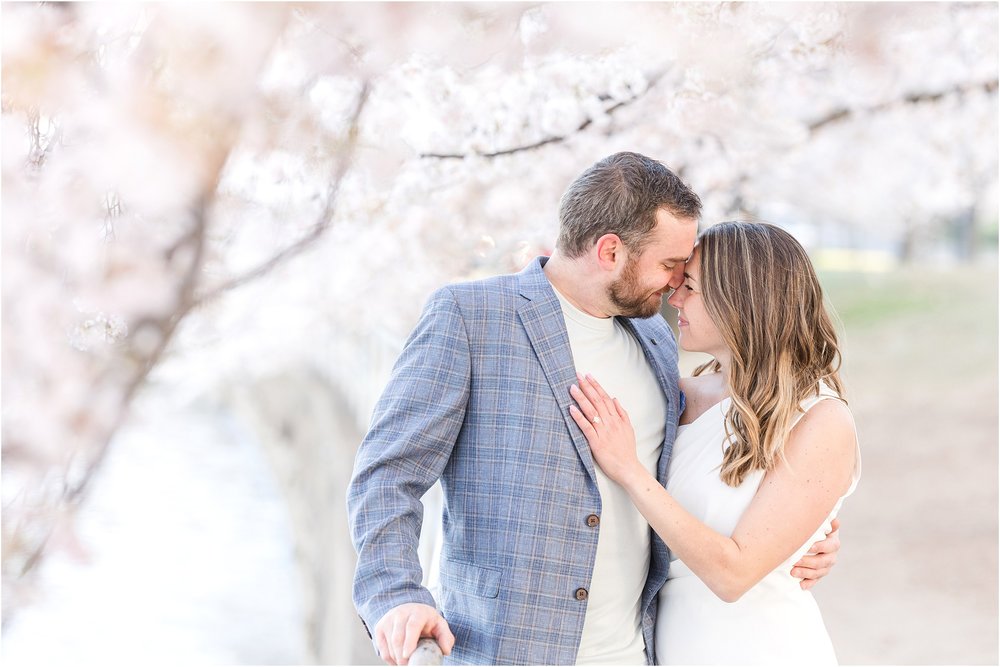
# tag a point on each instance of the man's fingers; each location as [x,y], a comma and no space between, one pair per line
[399,631]
[830,545]
[397,638]
[383,648]
[816,562]
[414,628]
[445,639]
[810,573]
[806,584]
[832,542]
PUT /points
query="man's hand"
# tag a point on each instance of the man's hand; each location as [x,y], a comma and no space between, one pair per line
[397,633]
[819,559]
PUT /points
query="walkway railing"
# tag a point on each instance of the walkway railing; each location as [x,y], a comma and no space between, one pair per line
[427,653]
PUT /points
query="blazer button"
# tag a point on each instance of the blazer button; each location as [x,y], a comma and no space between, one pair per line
[581,594]
[593,520]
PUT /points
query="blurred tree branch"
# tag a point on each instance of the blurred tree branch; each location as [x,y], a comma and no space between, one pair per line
[651,81]
[42,142]
[846,113]
[322,223]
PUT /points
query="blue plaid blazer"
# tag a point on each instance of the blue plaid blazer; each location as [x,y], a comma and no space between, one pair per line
[479,398]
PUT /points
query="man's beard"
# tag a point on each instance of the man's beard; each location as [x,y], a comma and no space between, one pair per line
[629,297]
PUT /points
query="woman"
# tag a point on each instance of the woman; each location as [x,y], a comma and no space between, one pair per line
[765,454]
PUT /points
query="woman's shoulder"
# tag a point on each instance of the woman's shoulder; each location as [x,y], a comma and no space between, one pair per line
[828,410]
[826,433]
[826,405]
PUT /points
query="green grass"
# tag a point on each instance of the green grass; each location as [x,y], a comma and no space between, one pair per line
[863,300]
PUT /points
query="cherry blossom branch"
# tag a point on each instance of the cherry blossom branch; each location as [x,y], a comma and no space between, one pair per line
[651,81]
[42,143]
[322,223]
[845,113]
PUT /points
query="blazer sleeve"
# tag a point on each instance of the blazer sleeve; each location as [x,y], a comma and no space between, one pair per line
[412,434]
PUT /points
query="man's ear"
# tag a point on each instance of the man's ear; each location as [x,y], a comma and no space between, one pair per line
[610,252]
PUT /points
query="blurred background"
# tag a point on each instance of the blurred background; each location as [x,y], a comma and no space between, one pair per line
[220,222]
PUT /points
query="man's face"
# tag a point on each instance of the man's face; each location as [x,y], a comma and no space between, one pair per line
[638,291]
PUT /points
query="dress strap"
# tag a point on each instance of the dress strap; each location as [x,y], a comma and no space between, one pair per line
[824,392]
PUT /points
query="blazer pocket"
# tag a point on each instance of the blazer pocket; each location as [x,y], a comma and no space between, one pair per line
[483,582]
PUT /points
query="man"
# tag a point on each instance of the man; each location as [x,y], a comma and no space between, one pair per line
[545,560]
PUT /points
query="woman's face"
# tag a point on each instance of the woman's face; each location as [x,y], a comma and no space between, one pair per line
[698,332]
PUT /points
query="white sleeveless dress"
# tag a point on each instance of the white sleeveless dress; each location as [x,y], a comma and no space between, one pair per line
[775,622]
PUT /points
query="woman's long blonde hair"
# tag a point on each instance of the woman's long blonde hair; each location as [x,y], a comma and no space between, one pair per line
[763,295]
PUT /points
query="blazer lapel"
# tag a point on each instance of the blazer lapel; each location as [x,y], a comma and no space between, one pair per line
[542,318]
[668,385]
[666,378]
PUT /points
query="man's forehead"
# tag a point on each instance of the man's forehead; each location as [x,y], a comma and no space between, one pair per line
[671,226]
[674,238]
[672,249]
[663,215]
[678,259]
